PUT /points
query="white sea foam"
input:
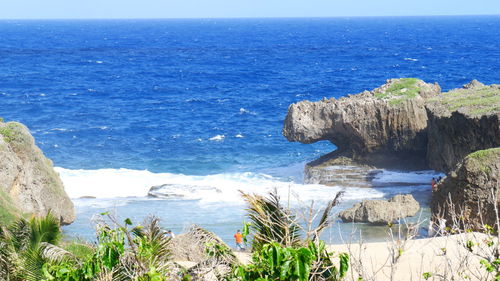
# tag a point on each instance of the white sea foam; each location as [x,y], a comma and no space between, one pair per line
[217,138]
[246,111]
[417,177]
[112,183]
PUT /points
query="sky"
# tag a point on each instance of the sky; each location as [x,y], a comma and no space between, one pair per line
[109,9]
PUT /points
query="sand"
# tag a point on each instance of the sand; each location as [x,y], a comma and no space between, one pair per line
[443,258]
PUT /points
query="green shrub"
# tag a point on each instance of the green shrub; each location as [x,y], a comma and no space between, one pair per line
[274,262]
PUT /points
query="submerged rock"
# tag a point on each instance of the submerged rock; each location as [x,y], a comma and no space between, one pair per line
[473,191]
[382,211]
[28,182]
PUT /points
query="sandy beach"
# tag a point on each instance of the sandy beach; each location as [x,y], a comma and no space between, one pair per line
[443,258]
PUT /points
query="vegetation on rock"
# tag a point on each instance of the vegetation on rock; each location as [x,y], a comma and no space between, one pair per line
[400,90]
[475,101]
[483,158]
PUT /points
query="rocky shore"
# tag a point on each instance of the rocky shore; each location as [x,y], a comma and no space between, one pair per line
[28,182]
[405,124]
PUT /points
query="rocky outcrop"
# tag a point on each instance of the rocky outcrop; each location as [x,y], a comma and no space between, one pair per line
[28,182]
[460,122]
[384,127]
[335,170]
[381,211]
[404,124]
[473,191]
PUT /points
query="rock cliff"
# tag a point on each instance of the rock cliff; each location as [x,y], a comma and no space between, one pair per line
[384,127]
[473,189]
[405,123]
[28,182]
[462,121]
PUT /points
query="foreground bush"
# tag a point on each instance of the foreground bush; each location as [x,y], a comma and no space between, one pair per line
[30,251]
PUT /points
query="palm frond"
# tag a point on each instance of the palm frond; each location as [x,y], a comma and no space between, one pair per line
[55,254]
[8,258]
[30,267]
[325,220]
[44,229]
[155,237]
[270,221]
[18,234]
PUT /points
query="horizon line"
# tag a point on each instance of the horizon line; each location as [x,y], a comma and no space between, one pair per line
[263,17]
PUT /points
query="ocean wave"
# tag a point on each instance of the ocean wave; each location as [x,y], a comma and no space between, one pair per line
[115,183]
[217,138]
[246,111]
[414,178]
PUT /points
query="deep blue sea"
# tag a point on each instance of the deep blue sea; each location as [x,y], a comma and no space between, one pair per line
[122,105]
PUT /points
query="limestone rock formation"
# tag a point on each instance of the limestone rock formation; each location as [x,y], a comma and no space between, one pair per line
[462,121]
[405,123]
[472,188]
[28,182]
[382,211]
[384,127]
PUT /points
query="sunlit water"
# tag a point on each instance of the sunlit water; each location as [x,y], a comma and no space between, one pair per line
[121,106]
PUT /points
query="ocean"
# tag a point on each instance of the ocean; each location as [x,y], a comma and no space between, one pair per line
[198,104]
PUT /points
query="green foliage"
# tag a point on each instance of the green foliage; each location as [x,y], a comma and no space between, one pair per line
[279,253]
[271,222]
[401,90]
[217,250]
[26,245]
[7,132]
[79,250]
[45,229]
[485,154]
[275,262]
[246,232]
[29,251]
[427,275]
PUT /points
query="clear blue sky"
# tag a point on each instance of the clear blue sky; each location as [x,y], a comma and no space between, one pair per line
[36,9]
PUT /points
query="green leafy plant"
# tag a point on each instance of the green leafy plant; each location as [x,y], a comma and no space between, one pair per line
[275,262]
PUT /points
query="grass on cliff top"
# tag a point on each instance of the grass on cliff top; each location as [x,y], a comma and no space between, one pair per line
[474,101]
[403,89]
[8,132]
[486,154]
[484,158]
